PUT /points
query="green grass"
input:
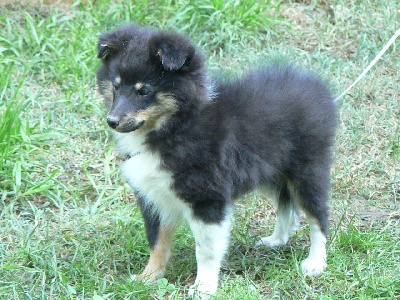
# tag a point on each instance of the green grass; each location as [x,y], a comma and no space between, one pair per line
[69,225]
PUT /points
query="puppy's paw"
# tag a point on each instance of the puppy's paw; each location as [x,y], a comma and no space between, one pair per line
[144,277]
[203,290]
[313,267]
[197,295]
[272,241]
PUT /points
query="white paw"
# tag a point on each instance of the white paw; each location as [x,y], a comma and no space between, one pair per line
[272,241]
[197,295]
[313,267]
[203,290]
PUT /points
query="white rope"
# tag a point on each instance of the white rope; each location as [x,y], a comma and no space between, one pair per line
[373,62]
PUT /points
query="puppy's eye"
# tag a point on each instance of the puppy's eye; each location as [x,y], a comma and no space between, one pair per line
[116,84]
[144,90]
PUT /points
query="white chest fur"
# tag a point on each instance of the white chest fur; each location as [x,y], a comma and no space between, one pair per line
[144,174]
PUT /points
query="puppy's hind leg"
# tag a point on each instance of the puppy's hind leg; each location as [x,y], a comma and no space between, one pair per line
[287,219]
[315,263]
[313,190]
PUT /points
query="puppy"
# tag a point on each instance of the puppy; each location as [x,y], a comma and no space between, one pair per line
[193,146]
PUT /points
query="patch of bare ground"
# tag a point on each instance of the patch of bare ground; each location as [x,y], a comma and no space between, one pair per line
[306,34]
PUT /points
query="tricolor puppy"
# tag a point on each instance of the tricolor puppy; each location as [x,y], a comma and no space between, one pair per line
[193,145]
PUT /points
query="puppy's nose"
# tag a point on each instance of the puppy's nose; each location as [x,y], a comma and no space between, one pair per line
[113,122]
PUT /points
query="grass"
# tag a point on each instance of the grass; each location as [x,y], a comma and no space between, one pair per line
[69,226]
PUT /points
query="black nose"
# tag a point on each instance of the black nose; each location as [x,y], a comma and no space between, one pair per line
[113,122]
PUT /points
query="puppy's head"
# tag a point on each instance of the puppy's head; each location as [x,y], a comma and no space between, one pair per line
[147,76]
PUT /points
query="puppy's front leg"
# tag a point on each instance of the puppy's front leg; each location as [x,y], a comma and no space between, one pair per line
[211,244]
[160,237]
[159,256]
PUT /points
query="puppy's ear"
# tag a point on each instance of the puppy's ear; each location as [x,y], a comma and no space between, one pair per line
[104,50]
[174,51]
[109,44]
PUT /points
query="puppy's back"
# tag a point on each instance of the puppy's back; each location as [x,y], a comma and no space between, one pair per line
[283,114]
[281,97]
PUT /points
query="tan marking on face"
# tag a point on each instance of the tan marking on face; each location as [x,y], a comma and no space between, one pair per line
[157,114]
[159,256]
[138,85]
[154,116]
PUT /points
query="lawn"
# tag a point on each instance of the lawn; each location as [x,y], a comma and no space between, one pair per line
[69,225]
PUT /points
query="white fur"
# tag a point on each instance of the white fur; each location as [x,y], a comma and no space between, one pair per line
[315,263]
[211,244]
[144,174]
[130,143]
[287,222]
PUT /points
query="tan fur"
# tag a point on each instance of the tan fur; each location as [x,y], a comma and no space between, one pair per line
[157,114]
[159,256]
[138,85]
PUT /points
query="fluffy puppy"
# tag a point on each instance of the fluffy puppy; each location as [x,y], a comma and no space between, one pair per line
[193,146]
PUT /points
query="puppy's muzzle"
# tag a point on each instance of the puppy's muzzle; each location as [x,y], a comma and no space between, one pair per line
[124,124]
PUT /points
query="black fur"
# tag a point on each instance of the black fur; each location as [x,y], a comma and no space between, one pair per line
[274,127]
[151,221]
